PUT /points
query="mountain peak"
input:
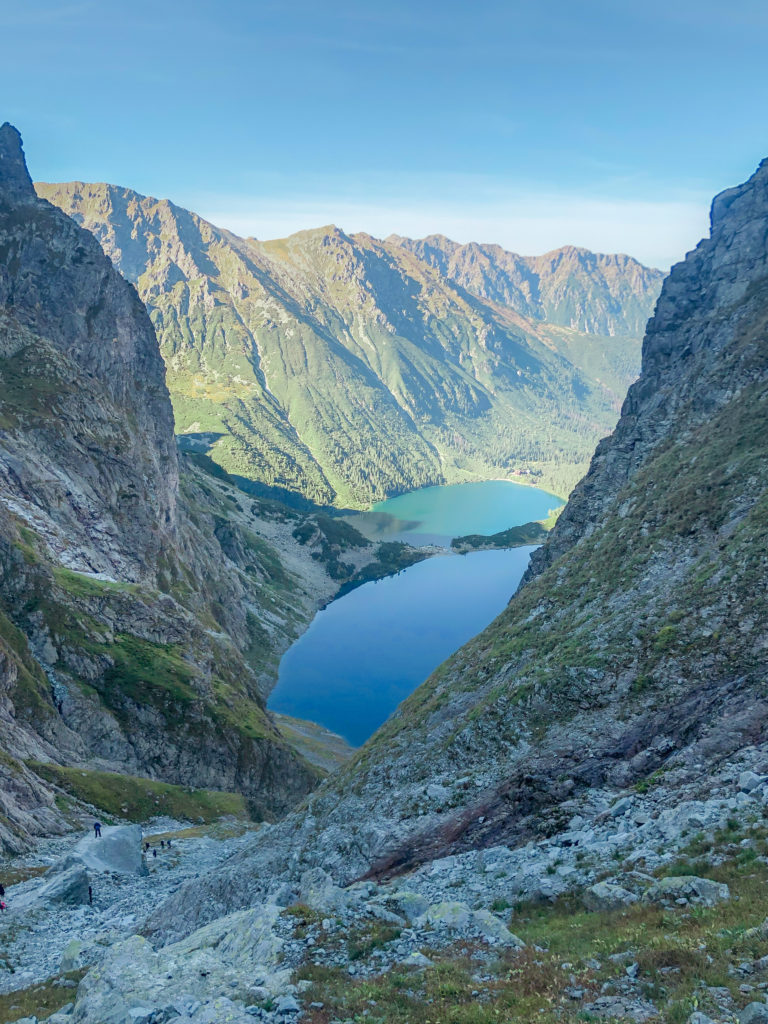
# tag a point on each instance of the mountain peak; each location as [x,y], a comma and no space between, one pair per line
[14,176]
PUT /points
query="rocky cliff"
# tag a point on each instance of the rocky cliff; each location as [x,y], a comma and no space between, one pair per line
[634,656]
[344,368]
[144,602]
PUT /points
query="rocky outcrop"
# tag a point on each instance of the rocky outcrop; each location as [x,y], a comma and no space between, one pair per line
[345,368]
[144,601]
[636,651]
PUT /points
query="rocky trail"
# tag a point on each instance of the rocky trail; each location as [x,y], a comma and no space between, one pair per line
[49,925]
[309,948]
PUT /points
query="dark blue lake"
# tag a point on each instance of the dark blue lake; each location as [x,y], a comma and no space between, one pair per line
[369,650]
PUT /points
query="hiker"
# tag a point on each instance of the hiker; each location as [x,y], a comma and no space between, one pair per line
[97,830]
[90,894]
[2,905]
[146,847]
[154,851]
[167,842]
[162,843]
[60,707]
[2,890]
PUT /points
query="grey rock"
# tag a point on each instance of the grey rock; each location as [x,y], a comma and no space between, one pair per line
[754,1013]
[287,1004]
[690,887]
[119,850]
[607,896]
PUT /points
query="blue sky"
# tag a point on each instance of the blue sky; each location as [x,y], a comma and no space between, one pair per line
[605,123]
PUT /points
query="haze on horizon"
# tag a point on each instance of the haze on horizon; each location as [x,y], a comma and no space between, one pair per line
[591,124]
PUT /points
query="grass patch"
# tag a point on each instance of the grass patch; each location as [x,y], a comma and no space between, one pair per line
[137,799]
[40,1000]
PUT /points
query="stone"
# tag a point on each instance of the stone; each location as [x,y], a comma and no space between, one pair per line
[118,850]
[702,891]
[621,1008]
[318,891]
[449,914]
[749,781]
[607,896]
[483,922]
[700,1018]
[70,958]
[416,959]
[754,1013]
[621,807]
[67,885]
[287,1004]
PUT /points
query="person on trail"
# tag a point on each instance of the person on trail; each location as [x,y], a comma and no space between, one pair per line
[97,830]
[162,843]
[2,905]
[146,847]
[90,894]
[154,851]
[2,890]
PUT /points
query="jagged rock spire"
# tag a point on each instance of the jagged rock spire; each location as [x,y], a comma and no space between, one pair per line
[14,176]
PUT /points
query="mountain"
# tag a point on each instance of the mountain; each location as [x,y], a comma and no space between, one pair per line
[342,368]
[632,660]
[571,287]
[145,599]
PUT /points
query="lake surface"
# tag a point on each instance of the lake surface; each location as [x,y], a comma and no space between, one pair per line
[435,515]
[367,651]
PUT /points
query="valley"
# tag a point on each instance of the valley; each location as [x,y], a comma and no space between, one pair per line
[566,820]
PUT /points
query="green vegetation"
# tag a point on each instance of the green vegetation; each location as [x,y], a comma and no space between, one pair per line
[39,1000]
[135,799]
[391,558]
[678,951]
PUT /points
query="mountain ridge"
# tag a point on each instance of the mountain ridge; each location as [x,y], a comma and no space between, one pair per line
[288,359]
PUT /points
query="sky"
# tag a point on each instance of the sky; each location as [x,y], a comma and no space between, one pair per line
[603,123]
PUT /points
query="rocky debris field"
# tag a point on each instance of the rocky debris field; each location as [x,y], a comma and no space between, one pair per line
[649,905]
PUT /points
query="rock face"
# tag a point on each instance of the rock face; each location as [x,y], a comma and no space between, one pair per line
[635,651]
[345,368]
[144,602]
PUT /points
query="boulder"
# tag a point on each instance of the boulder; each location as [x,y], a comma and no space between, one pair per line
[450,914]
[409,905]
[484,923]
[457,917]
[622,1008]
[608,896]
[754,1013]
[233,953]
[68,884]
[696,890]
[750,780]
[118,850]
[70,958]
[318,891]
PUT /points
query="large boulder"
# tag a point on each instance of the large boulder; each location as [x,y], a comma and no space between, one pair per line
[754,1013]
[66,884]
[118,850]
[696,890]
[238,954]
[608,896]
[457,917]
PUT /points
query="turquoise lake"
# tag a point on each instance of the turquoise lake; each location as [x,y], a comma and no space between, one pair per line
[435,515]
[367,651]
